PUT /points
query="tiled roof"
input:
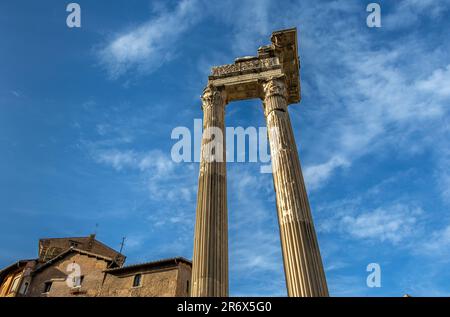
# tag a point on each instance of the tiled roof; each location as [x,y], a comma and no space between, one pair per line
[63,254]
[84,239]
[158,263]
[15,264]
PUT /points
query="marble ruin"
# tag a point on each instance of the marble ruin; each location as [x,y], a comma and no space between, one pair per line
[273,77]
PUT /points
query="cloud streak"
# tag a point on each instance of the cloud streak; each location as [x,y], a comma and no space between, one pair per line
[148,46]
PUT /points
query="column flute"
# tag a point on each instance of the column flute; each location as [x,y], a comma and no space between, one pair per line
[210,260]
[301,256]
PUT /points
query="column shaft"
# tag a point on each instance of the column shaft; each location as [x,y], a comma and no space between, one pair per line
[301,256]
[210,260]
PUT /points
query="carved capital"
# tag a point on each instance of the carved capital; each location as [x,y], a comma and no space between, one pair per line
[275,86]
[212,96]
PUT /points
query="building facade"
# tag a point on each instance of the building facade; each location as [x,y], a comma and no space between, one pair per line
[68,267]
[169,277]
[15,279]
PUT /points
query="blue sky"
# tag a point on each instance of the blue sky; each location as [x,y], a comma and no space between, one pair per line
[86,117]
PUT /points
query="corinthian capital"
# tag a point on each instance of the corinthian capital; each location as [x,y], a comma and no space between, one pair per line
[275,86]
[211,96]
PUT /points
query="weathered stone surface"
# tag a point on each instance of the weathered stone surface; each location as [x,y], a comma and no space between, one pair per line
[168,277]
[91,270]
[210,260]
[245,66]
[163,282]
[272,76]
[51,247]
[302,261]
[241,80]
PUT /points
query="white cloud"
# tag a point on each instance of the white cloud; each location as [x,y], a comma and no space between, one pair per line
[151,44]
[162,174]
[394,224]
[336,265]
[346,285]
[371,217]
[254,244]
[408,13]
[368,95]
[438,83]
[437,244]
[443,171]
[249,22]
[155,161]
[260,252]
[316,175]
[250,191]
[117,159]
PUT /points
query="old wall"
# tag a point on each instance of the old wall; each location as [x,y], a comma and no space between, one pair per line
[7,285]
[184,280]
[161,282]
[49,248]
[91,270]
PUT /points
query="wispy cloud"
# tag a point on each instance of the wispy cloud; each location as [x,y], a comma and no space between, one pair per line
[377,97]
[16,93]
[146,47]
[118,159]
[157,168]
[169,202]
[393,224]
[438,243]
[438,82]
[316,175]
[254,243]
[154,161]
[346,285]
[409,12]
[390,223]
[249,22]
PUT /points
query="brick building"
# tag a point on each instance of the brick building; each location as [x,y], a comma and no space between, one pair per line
[51,247]
[83,266]
[168,277]
[15,278]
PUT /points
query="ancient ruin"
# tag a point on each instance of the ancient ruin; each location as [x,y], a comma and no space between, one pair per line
[272,76]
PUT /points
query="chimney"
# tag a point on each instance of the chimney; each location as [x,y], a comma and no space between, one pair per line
[91,241]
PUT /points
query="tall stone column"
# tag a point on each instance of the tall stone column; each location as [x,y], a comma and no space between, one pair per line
[301,256]
[210,260]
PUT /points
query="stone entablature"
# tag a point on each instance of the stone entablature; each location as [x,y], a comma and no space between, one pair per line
[244,66]
[243,79]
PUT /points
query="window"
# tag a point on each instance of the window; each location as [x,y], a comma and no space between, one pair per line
[137,280]
[24,289]
[47,287]
[15,284]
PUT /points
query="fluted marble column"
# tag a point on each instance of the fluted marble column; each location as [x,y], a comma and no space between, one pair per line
[301,256]
[210,260]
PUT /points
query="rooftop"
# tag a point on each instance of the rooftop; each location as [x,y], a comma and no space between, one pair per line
[150,265]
